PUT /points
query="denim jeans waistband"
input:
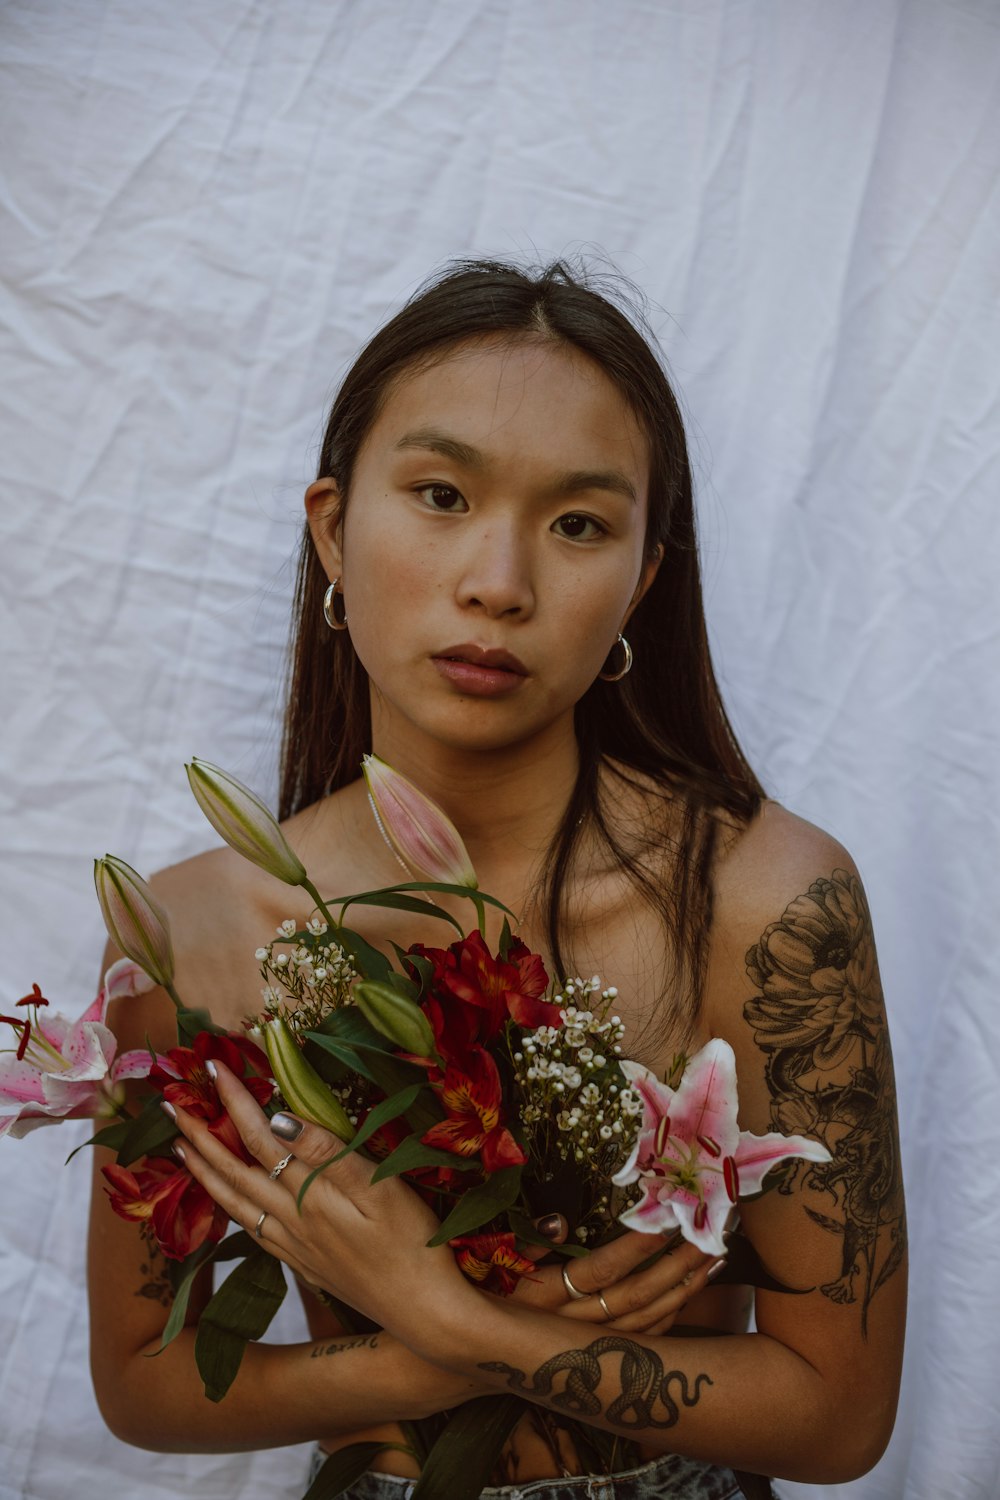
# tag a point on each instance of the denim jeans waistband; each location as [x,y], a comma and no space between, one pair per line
[669,1478]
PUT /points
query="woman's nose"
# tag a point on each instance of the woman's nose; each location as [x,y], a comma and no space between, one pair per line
[496,573]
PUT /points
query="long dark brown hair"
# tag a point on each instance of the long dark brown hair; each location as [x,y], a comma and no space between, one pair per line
[663,726]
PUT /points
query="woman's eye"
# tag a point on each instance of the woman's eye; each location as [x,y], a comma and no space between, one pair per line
[576,527]
[441,497]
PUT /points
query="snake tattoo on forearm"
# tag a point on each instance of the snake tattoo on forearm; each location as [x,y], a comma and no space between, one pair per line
[645,1385]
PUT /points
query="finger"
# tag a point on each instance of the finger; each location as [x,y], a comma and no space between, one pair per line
[271,1237]
[554,1228]
[642,1316]
[242,1189]
[673,1273]
[246,1114]
[619,1257]
[270,1141]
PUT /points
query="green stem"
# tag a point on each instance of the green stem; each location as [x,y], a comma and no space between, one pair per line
[320,903]
[480,906]
[171,991]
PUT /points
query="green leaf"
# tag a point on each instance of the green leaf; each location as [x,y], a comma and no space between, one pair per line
[368,960]
[444,889]
[349,1025]
[147,1133]
[190,1022]
[347,1055]
[480,1204]
[397,902]
[441,887]
[413,1153]
[506,936]
[403,984]
[461,1460]
[423,966]
[182,1296]
[389,1109]
[240,1310]
[111,1136]
[345,1467]
[183,1272]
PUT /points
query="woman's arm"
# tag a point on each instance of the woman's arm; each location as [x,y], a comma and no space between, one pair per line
[283,1393]
[794,987]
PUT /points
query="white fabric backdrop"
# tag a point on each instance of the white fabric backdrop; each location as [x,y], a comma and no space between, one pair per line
[205,209]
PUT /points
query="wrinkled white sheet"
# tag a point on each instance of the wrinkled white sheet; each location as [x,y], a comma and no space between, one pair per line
[205,208]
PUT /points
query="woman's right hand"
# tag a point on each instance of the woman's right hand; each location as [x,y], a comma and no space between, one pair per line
[638,1301]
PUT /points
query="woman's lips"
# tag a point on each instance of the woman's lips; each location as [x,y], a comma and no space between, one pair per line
[479,672]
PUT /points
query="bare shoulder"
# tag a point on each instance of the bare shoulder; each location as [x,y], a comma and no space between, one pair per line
[792,957]
[768,864]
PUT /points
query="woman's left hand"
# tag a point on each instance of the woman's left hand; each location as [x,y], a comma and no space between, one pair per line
[364,1243]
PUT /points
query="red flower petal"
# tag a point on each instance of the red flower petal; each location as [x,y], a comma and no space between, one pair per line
[501,1150]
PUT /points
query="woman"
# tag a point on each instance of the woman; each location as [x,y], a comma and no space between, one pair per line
[499,594]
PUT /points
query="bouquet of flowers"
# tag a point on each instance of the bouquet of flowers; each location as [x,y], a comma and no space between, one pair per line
[498,1093]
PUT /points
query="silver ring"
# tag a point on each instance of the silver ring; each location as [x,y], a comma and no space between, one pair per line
[259,1225]
[574,1291]
[607,1311]
[283,1163]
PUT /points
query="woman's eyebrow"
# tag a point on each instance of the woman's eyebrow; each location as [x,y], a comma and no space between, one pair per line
[572,483]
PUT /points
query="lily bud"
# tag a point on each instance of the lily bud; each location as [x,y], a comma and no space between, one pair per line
[243,821]
[420,834]
[304,1090]
[136,922]
[396,1017]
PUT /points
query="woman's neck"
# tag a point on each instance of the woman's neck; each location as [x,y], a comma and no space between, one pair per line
[506,803]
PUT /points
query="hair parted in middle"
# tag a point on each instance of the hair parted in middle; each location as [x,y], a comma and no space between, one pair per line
[663,728]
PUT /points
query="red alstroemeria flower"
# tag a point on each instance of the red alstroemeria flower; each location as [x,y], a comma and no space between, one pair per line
[182,1079]
[163,1194]
[392,1134]
[491,1259]
[470,1091]
[495,989]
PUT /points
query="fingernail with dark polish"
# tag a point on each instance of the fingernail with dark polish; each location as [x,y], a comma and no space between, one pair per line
[211,1069]
[168,1108]
[714,1270]
[550,1226]
[178,1150]
[286,1127]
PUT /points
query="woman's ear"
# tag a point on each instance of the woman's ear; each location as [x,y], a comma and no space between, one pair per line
[650,568]
[323,514]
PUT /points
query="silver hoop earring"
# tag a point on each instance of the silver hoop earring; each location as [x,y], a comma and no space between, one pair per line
[329,613]
[626,664]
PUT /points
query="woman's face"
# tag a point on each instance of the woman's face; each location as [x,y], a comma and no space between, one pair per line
[493,545]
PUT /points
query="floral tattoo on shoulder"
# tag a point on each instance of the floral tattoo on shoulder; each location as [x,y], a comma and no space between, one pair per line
[819,1016]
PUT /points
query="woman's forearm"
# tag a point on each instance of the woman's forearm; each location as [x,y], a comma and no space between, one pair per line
[745,1400]
[284,1393]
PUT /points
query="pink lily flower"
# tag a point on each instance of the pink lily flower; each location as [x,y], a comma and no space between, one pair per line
[68,1070]
[136,922]
[691,1159]
[423,838]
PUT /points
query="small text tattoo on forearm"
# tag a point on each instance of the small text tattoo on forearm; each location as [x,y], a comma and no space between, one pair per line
[644,1398]
[364,1341]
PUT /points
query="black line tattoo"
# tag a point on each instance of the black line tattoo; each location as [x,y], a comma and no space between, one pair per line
[366,1341]
[820,1019]
[156,1285]
[643,1380]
